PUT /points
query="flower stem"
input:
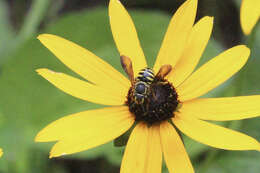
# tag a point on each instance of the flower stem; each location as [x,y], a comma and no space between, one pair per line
[33,18]
[30,25]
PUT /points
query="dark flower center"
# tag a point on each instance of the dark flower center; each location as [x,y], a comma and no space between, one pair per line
[153,102]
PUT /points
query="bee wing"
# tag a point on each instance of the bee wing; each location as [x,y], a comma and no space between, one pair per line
[127,66]
[164,71]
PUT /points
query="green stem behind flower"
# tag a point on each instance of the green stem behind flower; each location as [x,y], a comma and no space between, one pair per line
[33,18]
[31,23]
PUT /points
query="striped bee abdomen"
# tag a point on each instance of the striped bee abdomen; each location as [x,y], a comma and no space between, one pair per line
[146,75]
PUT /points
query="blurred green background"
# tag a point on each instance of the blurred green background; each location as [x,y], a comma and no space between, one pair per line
[28,102]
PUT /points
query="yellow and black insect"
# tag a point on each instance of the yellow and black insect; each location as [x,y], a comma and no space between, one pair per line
[151,98]
[142,84]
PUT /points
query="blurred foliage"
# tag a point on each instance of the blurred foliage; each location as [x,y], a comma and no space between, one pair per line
[6,32]
[28,102]
[11,38]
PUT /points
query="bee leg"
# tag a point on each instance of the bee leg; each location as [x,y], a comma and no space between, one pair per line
[143,108]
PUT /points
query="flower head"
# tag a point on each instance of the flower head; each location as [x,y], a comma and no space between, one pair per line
[249,15]
[154,98]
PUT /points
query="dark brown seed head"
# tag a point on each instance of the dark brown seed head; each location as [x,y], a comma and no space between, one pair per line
[159,104]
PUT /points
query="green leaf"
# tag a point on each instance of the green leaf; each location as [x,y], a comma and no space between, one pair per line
[6,32]
[233,161]
[122,140]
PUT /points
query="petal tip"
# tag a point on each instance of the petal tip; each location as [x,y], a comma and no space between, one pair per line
[52,153]
[194,2]
[43,36]
[111,2]
[258,149]
[40,70]
[40,36]
[51,156]
[39,137]
[44,136]
[246,32]
[55,152]
[245,51]
[211,18]
[191,3]
[242,46]
[1,152]
[45,39]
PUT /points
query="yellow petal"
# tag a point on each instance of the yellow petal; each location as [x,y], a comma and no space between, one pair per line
[176,36]
[87,124]
[1,152]
[84,90]
[175,155]
[83,62]
[197,41]
[154,150]
[223,109]
[249,15]
[213,73]
[125,35]
[143,151]
[134,158]
[214,135]
[88,131]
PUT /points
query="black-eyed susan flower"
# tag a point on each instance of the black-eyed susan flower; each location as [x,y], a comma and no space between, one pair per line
[1,152]
[249,15]
[158,99]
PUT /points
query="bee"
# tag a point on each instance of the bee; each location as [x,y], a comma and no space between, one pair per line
[141,84]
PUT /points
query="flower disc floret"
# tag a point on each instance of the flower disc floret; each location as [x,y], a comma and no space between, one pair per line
[158,105]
